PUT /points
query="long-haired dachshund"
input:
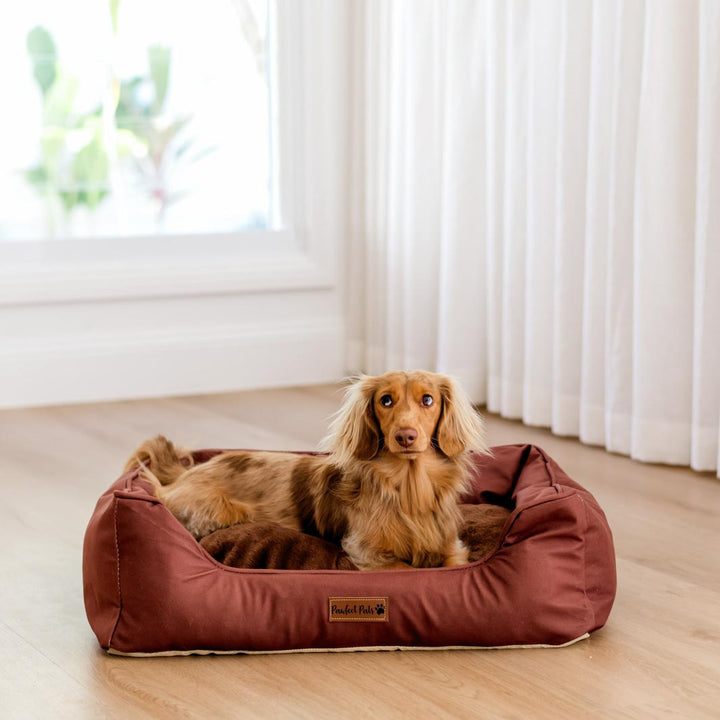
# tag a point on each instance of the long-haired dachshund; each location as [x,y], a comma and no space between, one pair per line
[387,491]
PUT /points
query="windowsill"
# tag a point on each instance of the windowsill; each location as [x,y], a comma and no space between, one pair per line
[103,269]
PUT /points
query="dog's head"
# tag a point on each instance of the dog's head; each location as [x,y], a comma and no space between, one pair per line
[407,414]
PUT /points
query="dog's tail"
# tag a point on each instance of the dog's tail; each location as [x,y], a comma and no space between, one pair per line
[160,460]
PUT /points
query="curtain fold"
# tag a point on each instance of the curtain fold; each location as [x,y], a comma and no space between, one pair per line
[705,450]
[540,190]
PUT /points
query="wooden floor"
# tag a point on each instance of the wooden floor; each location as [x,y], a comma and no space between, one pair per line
[658,656]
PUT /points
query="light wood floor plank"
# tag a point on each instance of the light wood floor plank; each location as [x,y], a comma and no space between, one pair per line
[658,657]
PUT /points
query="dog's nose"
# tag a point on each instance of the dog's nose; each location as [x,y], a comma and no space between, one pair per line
[405,437]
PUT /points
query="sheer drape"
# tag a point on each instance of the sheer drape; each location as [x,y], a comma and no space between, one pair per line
[538,211]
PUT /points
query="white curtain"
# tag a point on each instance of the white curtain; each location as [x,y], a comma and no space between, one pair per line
[537,211]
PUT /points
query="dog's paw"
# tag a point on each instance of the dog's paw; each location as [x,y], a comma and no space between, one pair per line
[458,555]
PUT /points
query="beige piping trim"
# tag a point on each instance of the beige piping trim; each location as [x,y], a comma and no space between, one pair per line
[377,648]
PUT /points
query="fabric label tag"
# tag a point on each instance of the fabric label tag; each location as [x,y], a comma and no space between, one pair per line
[358,609]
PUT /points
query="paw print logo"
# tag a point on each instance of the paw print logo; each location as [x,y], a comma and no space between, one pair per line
[380,609]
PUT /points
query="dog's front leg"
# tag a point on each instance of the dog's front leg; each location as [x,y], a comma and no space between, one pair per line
[367,557]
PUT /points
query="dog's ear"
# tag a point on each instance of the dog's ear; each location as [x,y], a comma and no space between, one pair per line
[460,426]
[354,432]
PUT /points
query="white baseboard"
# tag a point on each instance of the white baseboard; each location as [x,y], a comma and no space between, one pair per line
[63,370]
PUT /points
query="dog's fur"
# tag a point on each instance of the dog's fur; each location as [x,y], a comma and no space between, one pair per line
[387,491]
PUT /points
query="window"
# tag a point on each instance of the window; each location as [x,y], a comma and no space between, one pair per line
[135,118]
[237,282]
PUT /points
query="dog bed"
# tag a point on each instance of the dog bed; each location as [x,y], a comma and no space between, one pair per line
[548,580]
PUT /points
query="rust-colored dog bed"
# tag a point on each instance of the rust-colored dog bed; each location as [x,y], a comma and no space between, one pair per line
[546,575]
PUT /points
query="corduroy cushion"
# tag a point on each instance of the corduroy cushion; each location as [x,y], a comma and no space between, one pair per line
[150,587]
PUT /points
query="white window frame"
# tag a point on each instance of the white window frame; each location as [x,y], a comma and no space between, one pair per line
[298,256]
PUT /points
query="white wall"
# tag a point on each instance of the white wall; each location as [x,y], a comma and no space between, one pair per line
[80,351]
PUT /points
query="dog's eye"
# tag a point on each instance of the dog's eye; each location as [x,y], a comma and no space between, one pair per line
[427,400]
[386,400]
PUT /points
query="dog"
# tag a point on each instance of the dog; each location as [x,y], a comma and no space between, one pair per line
[399,451]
